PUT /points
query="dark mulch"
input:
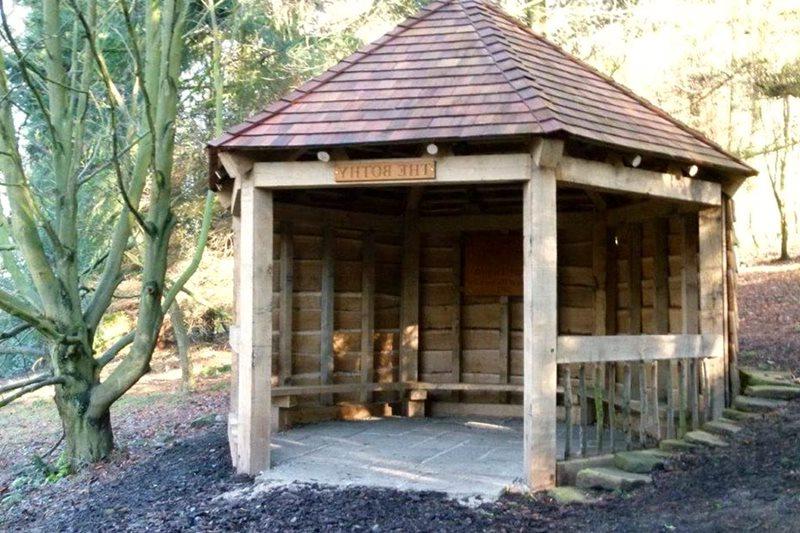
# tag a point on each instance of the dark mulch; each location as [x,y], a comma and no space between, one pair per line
[753,485]
[769,311]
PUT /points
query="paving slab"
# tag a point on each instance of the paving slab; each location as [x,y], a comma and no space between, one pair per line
[751,404]
[641,461]
[774,392]
[609,478]
[705,438]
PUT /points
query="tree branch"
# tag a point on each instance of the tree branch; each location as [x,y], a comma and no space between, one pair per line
[115,348]
[24,381]
[30,388]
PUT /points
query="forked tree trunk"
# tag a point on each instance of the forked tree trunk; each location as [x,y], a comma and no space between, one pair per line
[88,439]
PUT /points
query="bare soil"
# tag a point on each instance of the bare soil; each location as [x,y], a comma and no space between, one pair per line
[769,316]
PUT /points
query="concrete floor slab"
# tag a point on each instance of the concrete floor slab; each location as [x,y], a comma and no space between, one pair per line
[463,457]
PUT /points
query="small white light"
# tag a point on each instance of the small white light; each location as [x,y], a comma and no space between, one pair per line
[323,156]
[432,149]
[693,170]
[636,161]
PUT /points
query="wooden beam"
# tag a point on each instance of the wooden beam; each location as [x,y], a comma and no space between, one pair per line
[342,388]
[255,333]
[504,360]
[599,264]
[494,168]
[326,313]
[661,319]
[455,325]
[409,296]
[367,311]
[237,166]
[286,303]
[636,348]
[338,218]
[712,297]
[647,210]
[620,179]
[459,223]
[690,306]
[540,329]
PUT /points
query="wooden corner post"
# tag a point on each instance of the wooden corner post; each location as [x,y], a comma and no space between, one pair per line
[712,296]
[540,327]
[255,333]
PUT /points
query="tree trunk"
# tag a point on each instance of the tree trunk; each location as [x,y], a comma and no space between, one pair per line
[182,342]
[88,438]
[784,236]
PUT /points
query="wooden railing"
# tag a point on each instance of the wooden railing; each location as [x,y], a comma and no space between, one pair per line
[614,399]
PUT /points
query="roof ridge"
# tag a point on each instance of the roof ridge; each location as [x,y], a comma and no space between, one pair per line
[334,71]
[540,92]
[627,91]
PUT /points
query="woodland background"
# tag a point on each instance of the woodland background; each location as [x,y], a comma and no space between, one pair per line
[729,68]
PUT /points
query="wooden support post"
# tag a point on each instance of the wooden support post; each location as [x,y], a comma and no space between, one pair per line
[733,306]
[409,297]
[367,312]
[233,408]
[255,334]
[661,318]
[286,303]
[326,315]
[712,296]
[634,236]
[540,328]
[503,360]
[599,264]
[690,310]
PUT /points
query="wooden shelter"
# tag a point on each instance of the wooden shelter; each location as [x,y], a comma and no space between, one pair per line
[463,219]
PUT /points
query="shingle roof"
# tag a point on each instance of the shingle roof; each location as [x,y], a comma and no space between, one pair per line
[463,69]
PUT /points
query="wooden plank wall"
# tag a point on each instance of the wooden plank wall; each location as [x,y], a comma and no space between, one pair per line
[339,326]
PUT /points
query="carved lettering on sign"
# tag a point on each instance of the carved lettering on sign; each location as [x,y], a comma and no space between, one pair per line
[395,170]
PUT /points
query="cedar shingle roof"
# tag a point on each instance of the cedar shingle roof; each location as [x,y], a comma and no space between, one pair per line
[463,69]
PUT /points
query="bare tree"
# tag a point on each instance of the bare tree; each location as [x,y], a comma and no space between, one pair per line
[72,82]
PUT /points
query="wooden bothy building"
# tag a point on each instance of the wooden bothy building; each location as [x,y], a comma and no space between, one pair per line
[462,219]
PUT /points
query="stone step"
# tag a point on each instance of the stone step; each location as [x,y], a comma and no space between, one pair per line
[569,495]
[610,478]
[722,427]
[676,445]
[773,392]
[751,404]
[705,438]
[739,416]
[752,377]
[641,461]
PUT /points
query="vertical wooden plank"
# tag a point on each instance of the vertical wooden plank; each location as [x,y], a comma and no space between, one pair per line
[286,305]
[255,310]
[611,379]
[367,312]
[690,310]
[711,299]
[634,235]
[326,314]
[409,297]
[503,359]
[584,401]
[599,264]
[568,411]
[612,279]
[661,316]
[455,327]
[540,328]
[627,379]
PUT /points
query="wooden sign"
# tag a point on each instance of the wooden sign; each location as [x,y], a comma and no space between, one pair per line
[384,170]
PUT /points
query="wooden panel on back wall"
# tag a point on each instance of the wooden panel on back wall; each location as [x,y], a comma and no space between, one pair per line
[493,264]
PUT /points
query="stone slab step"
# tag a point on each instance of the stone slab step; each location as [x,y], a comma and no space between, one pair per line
[676,445]
[705,438]
[722,427]
[751,404]
[751,377]
[641,461]
[773,392]
[570,495]
[567,471]
[739,416]
[609,478]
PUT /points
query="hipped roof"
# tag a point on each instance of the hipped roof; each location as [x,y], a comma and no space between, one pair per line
[464,69]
